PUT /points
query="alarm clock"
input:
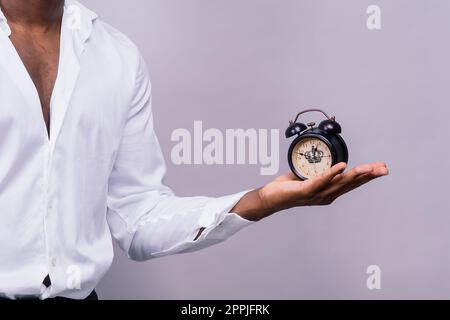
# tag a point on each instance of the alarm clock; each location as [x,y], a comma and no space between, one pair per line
[315,148]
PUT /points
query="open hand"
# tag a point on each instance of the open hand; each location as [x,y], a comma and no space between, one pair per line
[288,191]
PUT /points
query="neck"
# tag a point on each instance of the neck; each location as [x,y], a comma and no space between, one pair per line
[33,13]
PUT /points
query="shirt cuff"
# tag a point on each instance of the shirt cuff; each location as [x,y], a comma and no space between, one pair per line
[218,221]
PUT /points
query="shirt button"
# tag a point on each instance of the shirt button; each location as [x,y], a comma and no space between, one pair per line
[4,27]
[53,262]
[50,205]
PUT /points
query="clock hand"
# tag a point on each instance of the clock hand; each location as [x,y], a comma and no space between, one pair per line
[302,154]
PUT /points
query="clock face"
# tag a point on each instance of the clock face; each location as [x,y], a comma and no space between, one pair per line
[311,157]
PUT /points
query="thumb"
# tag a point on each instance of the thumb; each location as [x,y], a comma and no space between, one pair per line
[321,182]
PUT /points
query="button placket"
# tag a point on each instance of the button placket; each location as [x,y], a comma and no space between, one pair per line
[48,207]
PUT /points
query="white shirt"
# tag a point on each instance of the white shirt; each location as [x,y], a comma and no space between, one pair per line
[100,174]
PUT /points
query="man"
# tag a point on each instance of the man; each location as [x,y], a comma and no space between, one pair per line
[80,161]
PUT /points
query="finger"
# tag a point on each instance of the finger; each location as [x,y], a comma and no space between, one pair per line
[289,176]
[321,182]
[381,171]
[360,181]
[379,164]
[344,179]
[357,184]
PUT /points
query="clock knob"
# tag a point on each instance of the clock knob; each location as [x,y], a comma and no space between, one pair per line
[311,124]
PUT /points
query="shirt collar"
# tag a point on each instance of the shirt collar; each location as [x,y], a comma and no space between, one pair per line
[80,18]
[4,28]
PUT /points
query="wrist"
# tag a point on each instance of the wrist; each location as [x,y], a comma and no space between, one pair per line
[253,207]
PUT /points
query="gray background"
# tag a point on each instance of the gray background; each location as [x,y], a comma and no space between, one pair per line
[252,64]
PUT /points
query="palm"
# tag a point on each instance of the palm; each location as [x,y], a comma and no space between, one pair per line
[288,191]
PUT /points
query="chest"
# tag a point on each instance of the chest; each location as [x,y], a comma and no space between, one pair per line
[40,56]
[90,100]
